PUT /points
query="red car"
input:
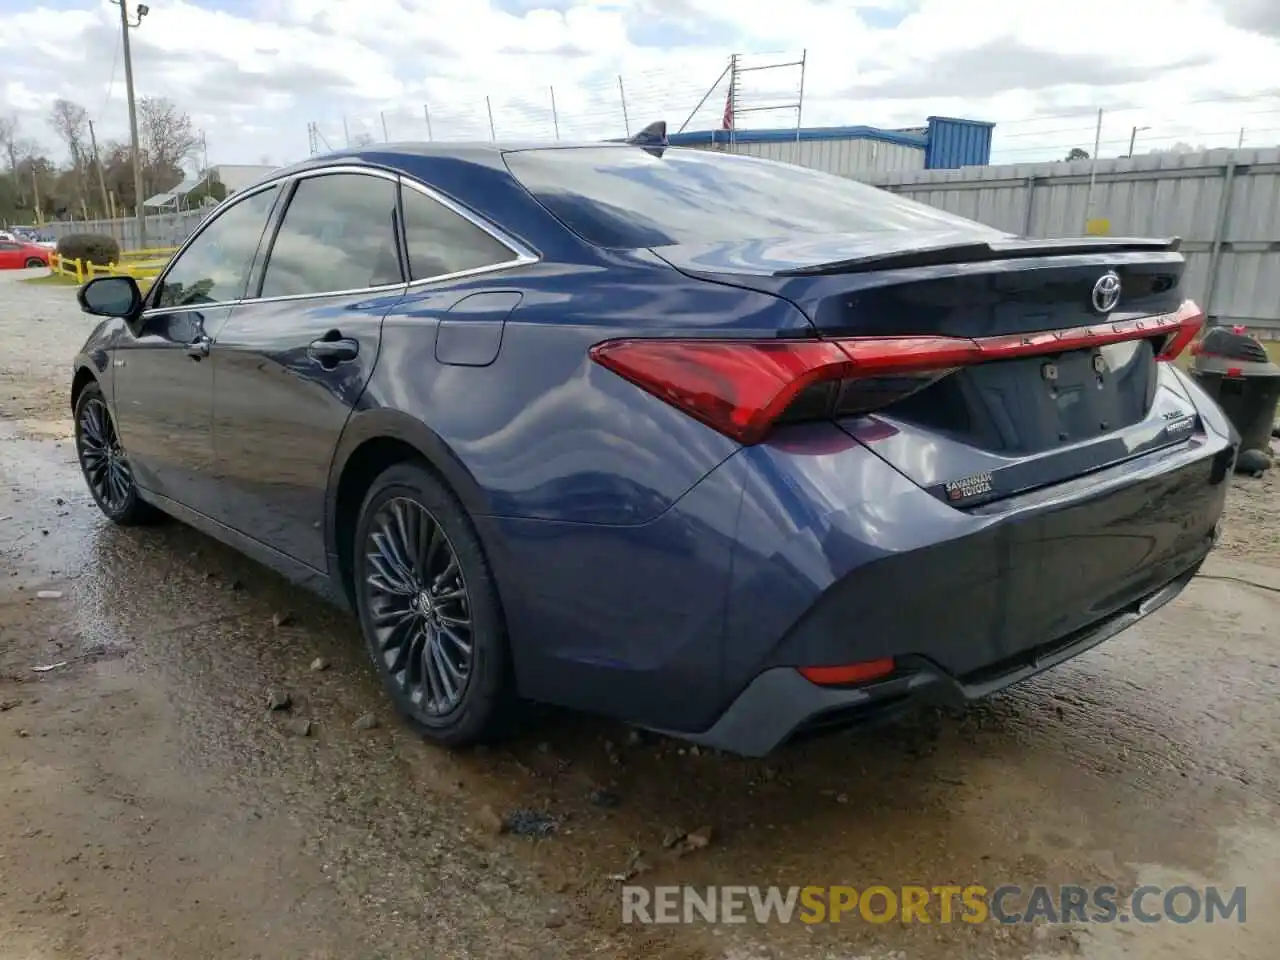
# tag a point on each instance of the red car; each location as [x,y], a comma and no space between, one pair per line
[16,254]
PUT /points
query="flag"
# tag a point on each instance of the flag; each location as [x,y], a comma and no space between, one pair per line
[728,108]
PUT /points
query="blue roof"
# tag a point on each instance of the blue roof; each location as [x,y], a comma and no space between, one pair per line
[805,133]
[947,142]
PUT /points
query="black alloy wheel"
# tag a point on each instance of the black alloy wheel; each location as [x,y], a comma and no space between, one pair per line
[419,605]
[429,609]
[104,463]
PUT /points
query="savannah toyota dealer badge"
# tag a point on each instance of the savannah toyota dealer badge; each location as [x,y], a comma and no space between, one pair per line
[976,485]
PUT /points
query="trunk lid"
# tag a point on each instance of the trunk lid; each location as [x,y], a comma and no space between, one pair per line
[1003,427]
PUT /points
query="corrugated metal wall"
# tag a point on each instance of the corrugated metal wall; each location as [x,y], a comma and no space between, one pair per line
[1225,204]
[846,157]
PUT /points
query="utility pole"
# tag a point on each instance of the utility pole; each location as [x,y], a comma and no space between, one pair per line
[35,188]
[102,180]
[125,26]
[1133,138]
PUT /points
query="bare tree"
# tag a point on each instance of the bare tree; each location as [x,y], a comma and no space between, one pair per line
[8,141]
[167,136]
[70,122]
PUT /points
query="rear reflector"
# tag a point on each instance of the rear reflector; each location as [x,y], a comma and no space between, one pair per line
[743,387]
[863,672]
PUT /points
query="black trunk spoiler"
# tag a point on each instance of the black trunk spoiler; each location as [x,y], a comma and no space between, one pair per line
[980,251]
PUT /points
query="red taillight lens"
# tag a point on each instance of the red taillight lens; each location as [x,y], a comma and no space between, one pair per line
[743,387]
[1190,319]
[739,387]
[863,672]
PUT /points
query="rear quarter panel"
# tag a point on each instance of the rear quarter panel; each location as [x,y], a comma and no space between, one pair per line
[543,432]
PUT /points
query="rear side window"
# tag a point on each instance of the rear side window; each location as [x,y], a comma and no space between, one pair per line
[338,233]
[625,197]
[442,242]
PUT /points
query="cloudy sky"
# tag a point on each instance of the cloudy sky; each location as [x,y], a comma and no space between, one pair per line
[254,73]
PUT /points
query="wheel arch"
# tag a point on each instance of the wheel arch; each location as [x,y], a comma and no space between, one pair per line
[372,442]
[84,376]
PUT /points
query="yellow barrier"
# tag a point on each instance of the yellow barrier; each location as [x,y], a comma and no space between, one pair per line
[139,264]
[67,268]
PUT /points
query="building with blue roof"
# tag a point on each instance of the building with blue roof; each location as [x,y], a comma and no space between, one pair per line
[945,143]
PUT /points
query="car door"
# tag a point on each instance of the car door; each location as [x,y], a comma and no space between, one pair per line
[162,374]
[10,255]
[291,361]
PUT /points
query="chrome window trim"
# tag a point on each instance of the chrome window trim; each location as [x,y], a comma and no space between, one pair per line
[523,255]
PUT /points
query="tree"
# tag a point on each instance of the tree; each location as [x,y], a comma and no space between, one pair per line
[35,188]
[1077,154]
[8,140]
[70,122]
[26,171]
[167,140]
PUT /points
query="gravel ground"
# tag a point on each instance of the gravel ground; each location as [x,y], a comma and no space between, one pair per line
[151,805]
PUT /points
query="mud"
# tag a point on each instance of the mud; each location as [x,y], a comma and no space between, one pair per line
[153,806]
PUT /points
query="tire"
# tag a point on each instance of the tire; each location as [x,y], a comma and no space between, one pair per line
[103,463]
[419,572]
[35,262]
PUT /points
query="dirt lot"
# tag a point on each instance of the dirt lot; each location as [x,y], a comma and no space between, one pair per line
[151,806]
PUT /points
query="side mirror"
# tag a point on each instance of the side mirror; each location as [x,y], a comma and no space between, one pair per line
[110,297]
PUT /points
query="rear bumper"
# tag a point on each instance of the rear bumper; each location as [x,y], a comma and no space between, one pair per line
[810,551]
[780,703]
[965,602]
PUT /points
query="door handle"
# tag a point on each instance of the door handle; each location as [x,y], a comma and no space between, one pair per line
[198,348]
[337,350]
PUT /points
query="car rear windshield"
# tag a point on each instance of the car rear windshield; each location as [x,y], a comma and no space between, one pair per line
[627,197]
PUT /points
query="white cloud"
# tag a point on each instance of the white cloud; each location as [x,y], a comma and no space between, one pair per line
[254,73]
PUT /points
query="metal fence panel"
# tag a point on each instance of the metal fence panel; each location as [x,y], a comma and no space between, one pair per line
[163,230]
[1224,204]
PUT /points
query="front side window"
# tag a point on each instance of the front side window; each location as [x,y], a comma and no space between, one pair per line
[338,233]
[442,242]
[215,268]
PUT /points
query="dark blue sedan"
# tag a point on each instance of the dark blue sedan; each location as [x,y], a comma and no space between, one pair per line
[720,447]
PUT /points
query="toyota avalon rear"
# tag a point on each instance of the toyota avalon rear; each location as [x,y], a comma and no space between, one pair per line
[972,460]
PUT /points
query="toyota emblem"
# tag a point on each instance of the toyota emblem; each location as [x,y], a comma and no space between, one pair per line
[1106,292]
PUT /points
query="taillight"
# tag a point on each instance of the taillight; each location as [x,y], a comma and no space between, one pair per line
[1190,319]
[743,387]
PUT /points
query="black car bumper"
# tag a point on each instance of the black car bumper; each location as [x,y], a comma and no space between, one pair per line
[780,703]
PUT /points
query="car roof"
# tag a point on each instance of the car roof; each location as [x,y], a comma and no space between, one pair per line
[481,153]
